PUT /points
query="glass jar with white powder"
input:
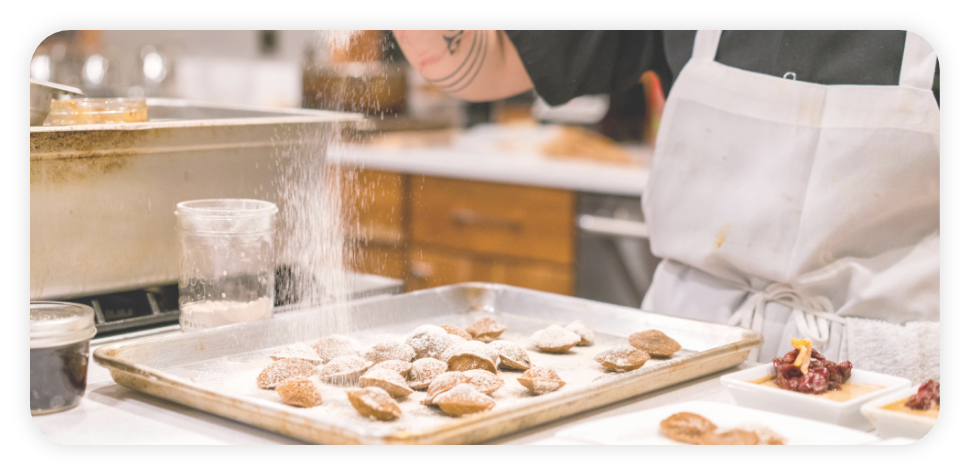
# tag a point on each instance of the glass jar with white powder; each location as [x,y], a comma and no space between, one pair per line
[226,261]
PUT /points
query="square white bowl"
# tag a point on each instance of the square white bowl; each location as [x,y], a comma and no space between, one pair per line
[847,413]
[643,427]
[894,423]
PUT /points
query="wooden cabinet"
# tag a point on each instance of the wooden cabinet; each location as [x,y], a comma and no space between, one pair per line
[433,231]
[376,221]
[489,218]
[429,267]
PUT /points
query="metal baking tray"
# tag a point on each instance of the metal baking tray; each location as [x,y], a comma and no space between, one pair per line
[164,366]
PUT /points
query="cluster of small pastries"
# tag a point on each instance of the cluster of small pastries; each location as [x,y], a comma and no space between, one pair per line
[457,367]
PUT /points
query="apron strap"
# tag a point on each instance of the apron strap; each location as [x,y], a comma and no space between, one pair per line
[705,44]
[919,62]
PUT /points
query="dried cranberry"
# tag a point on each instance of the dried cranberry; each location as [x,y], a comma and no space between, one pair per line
[928,392]
[788,370]
[788,384]
[813,383]
[846,368]
[919,401]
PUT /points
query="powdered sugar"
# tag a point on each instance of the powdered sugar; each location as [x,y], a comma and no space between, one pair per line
[429,341]
[555,339]
[389,350]
[333,346]
[300,352]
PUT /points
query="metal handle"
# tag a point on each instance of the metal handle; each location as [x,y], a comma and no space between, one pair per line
[612,227]
[467,217]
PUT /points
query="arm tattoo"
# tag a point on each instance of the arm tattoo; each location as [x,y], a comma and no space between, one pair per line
[454,41]
[470,66]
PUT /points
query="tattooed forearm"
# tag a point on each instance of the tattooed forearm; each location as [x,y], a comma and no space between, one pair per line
[471,65]
[454,41]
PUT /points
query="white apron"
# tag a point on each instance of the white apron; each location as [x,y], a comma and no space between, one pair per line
[798,209]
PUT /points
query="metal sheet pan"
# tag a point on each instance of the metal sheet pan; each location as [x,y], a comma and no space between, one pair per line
[152,365]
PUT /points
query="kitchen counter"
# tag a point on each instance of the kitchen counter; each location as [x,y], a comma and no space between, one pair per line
[112,414]
[516,168]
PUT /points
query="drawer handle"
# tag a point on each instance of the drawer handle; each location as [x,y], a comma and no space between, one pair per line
[467,217]
[612,227]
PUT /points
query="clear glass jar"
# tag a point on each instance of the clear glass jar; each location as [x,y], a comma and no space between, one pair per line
[98,111]
[60,335]
[227,260]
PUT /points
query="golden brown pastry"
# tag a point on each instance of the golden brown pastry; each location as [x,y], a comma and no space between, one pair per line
[344,370]
[654,342]
[282,370]
[443,383]
[399,366]
[586,335]
[622,359]
[374,402]
[388,380]
[423,371]
[555,339]
[299,392]
[484,381]
[511,356]
[330,347]
[389,350]
[457,331]
[486,329]
[687,427]
[463,399]
[539,380]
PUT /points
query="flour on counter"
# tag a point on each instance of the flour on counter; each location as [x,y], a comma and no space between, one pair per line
[223,312]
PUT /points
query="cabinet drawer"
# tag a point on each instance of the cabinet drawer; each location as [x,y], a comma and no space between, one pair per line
[507,220]
[434,268]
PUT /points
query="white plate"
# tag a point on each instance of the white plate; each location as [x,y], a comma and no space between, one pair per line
[796,404]
[643,428]
[894,423]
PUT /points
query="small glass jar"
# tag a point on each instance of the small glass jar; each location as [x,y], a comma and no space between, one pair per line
[60,335]
[98,111]
[227,263]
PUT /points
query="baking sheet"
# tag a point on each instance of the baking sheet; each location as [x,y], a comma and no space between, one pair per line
[215,370]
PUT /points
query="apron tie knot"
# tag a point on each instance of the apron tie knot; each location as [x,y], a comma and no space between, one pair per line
[812,314]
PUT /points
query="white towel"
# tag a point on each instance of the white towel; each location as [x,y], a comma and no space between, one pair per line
[910,351]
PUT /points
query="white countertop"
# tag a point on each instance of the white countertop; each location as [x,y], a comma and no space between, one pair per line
[112,414]
[516,168]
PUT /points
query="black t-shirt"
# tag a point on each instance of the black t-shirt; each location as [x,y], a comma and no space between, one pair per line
[568,64]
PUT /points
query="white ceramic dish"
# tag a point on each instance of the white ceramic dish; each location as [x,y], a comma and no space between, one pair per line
[894,423]
[643,428]
[847,413]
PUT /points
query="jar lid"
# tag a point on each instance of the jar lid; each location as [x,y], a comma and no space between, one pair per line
[60,323]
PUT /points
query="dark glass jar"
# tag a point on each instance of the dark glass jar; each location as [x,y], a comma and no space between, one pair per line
[60,335]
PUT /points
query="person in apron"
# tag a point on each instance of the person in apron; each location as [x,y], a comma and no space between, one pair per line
[792,208]
[802,210]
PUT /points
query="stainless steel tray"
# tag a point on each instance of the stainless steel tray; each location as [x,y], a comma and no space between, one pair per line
[164,366]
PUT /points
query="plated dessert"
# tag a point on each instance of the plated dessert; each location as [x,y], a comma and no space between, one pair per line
[807,371]
[925,403]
